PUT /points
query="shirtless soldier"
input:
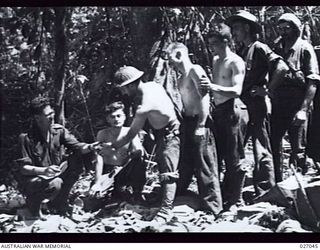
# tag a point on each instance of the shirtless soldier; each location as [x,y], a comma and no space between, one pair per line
[198,155]
[228,76]
[153,106]
[130,154]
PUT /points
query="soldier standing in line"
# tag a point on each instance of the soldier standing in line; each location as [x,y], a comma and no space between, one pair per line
[261,62]
[228,76]
[293,97]
[198,151]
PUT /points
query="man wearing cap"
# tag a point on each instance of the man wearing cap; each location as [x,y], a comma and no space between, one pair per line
[293,97]
[261,63]
[155,107]
[198,151]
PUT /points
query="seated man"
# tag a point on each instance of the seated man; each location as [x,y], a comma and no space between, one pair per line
[132,174]
[41,156]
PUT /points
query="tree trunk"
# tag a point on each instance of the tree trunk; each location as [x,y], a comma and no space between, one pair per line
[60,62]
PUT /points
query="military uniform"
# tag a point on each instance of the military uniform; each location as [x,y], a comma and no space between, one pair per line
[260,60]
[34,150]
[288,99]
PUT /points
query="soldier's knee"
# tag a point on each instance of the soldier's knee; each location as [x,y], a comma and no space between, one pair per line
[56,184]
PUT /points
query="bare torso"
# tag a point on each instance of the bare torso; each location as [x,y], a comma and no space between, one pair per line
[222,75]
[119,156]
[156,105]
[190,90]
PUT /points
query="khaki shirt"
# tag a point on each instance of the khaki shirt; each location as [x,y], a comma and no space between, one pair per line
[258,65]
[302,61]
[36,151]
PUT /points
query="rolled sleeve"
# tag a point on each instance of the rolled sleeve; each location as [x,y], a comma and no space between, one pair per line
[310,62]
[268,53]
[271,58]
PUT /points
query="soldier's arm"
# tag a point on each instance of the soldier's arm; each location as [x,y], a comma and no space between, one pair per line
[277,67]
[136,126]
[198,73]
[301,116]
[136,148]
[310,93]
[70,141]
[312,76]
[98,168]
[281,68]
[34,170]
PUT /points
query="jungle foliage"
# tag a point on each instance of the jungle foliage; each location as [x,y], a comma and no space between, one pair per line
[71,53]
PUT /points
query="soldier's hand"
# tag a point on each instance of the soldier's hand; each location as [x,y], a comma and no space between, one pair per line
[205,80]
[50,171]
[205,84]
[94,190]
[108,146]
[55,168]
[95,146]
[200,133]
[300,117]
[259,91]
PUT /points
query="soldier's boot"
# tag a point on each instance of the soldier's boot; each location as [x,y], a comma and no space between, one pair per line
[165,213]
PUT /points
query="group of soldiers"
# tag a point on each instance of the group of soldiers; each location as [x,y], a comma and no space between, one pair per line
[196,140]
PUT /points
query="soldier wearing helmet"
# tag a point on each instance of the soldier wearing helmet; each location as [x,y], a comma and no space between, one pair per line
[156,107]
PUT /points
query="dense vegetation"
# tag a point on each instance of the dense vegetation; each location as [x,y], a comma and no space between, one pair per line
[71,53]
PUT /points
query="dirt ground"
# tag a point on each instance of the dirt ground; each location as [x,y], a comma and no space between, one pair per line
[121,216]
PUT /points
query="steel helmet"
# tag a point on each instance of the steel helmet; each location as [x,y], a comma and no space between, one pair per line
[126,75]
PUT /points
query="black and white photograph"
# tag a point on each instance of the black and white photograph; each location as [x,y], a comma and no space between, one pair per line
[160,119]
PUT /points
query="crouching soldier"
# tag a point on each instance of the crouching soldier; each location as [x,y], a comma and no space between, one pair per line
[42,172]
[153,106]
[124,166]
